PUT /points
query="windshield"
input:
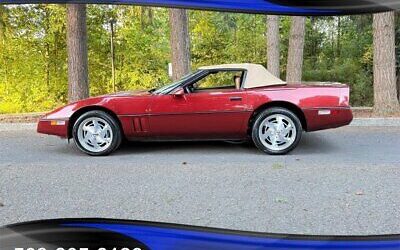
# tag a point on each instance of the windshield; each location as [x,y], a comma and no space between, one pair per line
[167,88]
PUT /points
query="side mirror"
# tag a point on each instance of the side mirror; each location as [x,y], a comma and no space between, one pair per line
[179,92]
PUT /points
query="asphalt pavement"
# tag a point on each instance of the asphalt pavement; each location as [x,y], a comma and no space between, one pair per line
[343,181]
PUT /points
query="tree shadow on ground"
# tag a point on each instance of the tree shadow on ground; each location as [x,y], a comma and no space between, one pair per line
[311,143]
[209,147]
[316,143]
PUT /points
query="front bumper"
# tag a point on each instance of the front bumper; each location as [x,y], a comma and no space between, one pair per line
[53,127]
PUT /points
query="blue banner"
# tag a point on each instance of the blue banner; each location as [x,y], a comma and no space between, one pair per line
[100,234]
[281,7]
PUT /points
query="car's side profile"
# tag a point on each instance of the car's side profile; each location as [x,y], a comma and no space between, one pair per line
[223,102]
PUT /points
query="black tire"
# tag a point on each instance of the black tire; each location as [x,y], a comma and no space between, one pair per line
[115,128]
[257,125]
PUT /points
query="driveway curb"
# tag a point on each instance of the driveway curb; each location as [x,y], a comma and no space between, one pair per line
[17,126]
[376,122]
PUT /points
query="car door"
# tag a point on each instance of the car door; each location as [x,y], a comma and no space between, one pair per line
[207,114]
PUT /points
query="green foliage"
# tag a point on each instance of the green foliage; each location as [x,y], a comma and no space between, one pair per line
[32,58]
[219,38]
[340,49]
[143,48]
[33,53]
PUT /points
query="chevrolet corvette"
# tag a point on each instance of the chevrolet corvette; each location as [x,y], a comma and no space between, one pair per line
[232,102]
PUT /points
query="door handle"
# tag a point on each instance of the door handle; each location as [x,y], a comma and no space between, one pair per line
[235,98]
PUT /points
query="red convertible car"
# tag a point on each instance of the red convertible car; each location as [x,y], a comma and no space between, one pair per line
[223,102]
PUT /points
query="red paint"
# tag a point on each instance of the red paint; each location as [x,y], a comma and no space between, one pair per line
[45,127]
[219,114]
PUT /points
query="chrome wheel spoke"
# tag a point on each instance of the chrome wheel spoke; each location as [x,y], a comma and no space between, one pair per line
[88,128]
[280,124]
[104,131]
[87,137]
[102,140]
[269,133]
[96,125]
[287,129]
[284,139]
[274,142]
[95,143]
[99,140]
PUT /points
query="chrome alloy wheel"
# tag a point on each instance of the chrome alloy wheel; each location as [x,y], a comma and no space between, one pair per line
[277,132]
[95,134]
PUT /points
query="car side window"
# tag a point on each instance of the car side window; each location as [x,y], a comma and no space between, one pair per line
[219,80]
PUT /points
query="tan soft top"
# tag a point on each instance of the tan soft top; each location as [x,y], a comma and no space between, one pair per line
[257,75]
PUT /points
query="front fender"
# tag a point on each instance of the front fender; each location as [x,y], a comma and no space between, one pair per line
[57,122]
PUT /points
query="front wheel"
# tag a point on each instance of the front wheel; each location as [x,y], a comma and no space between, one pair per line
[96,133]
[276,131]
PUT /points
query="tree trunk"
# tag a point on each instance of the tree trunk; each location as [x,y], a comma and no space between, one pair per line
[180,43]
[398,85]
[3,44]
[273,50]
[146,16]
[385,91]
[142,17]
[296,49]
[78,82]
[47,47]
[339,37]
[2,23]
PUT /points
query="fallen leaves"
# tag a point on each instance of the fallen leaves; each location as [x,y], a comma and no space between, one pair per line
[360,193]
[281,200]
[277,166]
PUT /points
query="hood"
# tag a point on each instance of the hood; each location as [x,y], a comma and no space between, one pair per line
[129,93]
[105,101]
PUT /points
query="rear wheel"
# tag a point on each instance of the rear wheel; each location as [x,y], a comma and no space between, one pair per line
[276,131]
[96,133]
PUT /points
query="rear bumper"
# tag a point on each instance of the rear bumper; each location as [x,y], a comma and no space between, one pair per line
[53,127]
[326,118]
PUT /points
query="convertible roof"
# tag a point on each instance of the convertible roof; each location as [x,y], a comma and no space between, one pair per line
[257,75]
